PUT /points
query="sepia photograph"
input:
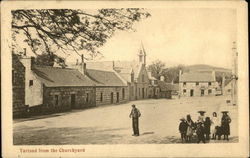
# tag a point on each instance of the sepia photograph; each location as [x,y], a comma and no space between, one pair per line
[125,75]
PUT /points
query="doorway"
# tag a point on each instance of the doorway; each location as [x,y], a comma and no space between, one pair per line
[73,100]
[111,98]
[191,92]
[202,92]
[117,97]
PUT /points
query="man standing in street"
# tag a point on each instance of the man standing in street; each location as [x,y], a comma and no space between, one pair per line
[135,114]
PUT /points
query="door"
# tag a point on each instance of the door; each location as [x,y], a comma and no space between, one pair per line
[191,92]
[202,92]
[117,97]
[111,98]
[73,100]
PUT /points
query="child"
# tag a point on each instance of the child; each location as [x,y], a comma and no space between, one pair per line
[225,124]
[207,125]
[183,129]
[190,128]
[200,132]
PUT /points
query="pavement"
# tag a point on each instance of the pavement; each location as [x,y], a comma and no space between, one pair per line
[111,124]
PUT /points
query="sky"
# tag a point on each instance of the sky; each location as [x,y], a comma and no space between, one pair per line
[178,36]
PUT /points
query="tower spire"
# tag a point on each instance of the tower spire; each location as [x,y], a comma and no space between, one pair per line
[142,54]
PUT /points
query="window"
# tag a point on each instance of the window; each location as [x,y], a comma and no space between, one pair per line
[101,97]
[209,83]
[209,91]
[123,93]
[229,90]
[56,100]
[139,91]
[184,83]
[31,83]
[142,77]
[197,83]
[184,90]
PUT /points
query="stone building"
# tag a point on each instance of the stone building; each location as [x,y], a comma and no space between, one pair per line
[18,87]
[111,88]
[133,72]
[197,84]
[51,89]
[136,75]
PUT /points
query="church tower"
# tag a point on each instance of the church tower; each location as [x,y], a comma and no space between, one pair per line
[142,55]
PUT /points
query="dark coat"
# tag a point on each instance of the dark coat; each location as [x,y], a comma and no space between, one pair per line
[183,127]
[207,125]
[225,121]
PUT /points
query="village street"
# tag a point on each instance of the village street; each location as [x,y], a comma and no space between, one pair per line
[111,124]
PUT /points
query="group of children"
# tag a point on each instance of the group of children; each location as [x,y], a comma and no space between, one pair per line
[204,126]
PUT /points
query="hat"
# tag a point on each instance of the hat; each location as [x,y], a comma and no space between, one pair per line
[133,105]
[201,112]
[224,112]
[182,119]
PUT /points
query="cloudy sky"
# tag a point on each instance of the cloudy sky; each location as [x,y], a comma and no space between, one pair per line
[178,36]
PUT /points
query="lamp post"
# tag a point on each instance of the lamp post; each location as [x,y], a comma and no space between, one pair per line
[234,76]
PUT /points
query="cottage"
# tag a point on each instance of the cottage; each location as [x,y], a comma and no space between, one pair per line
[52,89]
[111,88]
[197,84]
[167,90]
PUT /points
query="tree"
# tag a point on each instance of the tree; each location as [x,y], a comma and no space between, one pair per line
[55,31]
[172,73]
[156,68]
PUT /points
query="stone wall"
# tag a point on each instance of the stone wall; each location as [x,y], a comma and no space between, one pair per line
[104,96]
[18,88]
[191,87]
[66,98]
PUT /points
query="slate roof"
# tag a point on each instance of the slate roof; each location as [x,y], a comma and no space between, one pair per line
[197,77]
[106,78]
[59,77]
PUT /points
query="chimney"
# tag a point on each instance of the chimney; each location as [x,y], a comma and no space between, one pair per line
[113,66]
[180,73]
[77,62]
[162,78]
[82,65]
[223,84]
[213,74]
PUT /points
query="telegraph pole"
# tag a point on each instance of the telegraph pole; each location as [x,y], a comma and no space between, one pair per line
[234,74]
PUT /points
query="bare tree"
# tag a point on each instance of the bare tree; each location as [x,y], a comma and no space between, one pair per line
[49,31]
[157,68]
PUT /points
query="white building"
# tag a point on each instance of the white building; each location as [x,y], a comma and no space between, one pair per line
[197,84]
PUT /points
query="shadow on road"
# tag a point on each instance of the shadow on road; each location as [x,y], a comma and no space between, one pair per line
[145,133]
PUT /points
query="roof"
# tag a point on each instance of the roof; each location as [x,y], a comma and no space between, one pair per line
[106,78]
[168,86]
[197,77]
[59,77]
